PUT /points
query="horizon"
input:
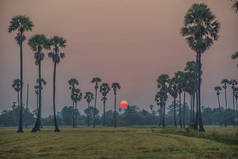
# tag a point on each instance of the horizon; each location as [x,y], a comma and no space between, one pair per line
[126,42]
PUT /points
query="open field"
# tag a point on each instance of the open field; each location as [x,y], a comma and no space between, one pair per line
[111,143]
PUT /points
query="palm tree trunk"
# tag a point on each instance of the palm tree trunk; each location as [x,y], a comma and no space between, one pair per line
[233,100]
[219,104]
[76,115]
[191,108]
[104,104]
[20,125]
[196,118]
[73,123]
[94,110]
[18,99]
[175,123]
[115,120]
[38,120]
[88,115]
[180,112]
[55,120]
[201,128]
[163,121]
[184,115]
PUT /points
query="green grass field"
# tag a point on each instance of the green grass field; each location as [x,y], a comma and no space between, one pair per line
[111,143]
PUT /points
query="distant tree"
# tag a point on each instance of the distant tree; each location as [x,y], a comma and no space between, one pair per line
[20,24]
[92,111]
[190,86]
[17,87]
[67,115]
[173,91]
[235,56]
[233,84]
[225,82]
[95,80]
[89,97]
[162,84]
[115,86]
[38,43]
[104,90]
[200,30]
[217,90]
[72,84]
[56,43]
[76,97]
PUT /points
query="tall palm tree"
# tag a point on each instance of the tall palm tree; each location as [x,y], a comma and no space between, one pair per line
[162,84]
[17,87]
[217,90]
[21,24]
[37,96]
[181,84]
[190,86]
[224,83]
[56,44]
[115,86]
[200,30]
[37,43]
[72,83]
[159,104]
[95,80]
[76,97]
[173,91]
[104,90]
[233,83]
[89,97]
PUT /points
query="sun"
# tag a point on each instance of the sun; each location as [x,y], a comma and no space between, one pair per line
[123,104]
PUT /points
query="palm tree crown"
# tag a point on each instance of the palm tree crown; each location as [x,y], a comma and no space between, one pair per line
[217,89]
[104,89]
[17,85]
[96,80]
[115,86]
[201,28]
[57,43]
[89,97]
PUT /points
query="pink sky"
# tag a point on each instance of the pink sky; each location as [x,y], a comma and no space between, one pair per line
[128,41]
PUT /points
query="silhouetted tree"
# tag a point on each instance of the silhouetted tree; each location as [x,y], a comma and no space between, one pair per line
[115,86]
[104,90]
[72,83]
[217,90]
[17,87]
[201,30]
[95,80]
[162,84]
[89,97]
[20,24]
[37,43]
[173,91]
[56,43]
[233,83]
[76,97]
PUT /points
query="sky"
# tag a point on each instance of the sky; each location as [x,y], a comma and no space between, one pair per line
[127,41]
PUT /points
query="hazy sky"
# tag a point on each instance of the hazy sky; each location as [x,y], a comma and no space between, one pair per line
[128,41]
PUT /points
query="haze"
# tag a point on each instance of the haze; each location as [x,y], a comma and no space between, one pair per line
[127,41]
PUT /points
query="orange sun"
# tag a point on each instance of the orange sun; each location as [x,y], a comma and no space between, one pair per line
[124,104]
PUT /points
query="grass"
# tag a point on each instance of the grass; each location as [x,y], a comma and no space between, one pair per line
[111,143]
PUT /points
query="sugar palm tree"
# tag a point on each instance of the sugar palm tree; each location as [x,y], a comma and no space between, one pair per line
[217,90]
[158,103]
[89,97]
[200,30]
[56,44]
[173,91]
[104,90]
[76,97]
[21,24]
[37,96]
[38,43]
[95,80]
[72,83]
[233,84]
[162,84]
[190,86]
[115,86]
[224,83]
[17,87]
